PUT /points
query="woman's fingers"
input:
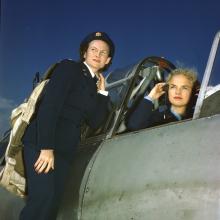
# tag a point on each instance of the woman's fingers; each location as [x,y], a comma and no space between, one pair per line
[44,166]
[101,82]
[159,86]
[37,162]
[49,166]
[45,161]
[157,91]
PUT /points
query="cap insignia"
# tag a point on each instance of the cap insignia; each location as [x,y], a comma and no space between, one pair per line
[98,34]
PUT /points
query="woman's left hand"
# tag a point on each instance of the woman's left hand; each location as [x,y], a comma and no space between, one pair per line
[101,82]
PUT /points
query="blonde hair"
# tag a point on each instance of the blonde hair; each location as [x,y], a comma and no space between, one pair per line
[190,74]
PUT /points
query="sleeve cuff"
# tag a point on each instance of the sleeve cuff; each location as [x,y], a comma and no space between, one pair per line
[105,93]
[148,98]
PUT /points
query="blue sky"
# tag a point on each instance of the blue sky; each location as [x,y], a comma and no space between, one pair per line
[35,34]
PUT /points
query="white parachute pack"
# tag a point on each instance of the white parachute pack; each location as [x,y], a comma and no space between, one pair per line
[12,176]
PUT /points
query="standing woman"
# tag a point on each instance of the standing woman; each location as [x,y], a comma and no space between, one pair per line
[182,90]
[74,95]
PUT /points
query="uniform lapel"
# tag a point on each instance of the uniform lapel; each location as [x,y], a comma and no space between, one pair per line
[91,82]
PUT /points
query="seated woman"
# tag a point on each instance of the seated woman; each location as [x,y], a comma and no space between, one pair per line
[182,87]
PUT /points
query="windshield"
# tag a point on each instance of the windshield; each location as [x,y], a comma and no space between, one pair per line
[117,83]
[208,102]
[215,72]
[118,74]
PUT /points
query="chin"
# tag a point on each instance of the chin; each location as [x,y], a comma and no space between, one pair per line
[177,104]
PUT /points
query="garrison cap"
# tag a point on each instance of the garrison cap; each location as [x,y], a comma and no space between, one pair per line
[97,36]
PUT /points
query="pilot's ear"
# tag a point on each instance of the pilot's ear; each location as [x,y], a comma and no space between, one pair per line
[108,60]
[194,95]
[84,55]
[196,88]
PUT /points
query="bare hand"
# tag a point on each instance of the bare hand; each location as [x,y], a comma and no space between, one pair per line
[101,82]
[45,161]
[157,91]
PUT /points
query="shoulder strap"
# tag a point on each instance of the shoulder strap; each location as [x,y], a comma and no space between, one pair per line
[50,71]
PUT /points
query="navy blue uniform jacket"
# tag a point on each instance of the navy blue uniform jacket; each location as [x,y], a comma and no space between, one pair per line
[70,98]
[145,116]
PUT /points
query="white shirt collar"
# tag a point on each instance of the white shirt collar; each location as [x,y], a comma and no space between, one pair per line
[90,70]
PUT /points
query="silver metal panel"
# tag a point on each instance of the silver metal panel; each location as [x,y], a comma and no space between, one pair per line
[169,173]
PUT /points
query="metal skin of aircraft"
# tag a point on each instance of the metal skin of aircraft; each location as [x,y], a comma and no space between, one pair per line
[168,172]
